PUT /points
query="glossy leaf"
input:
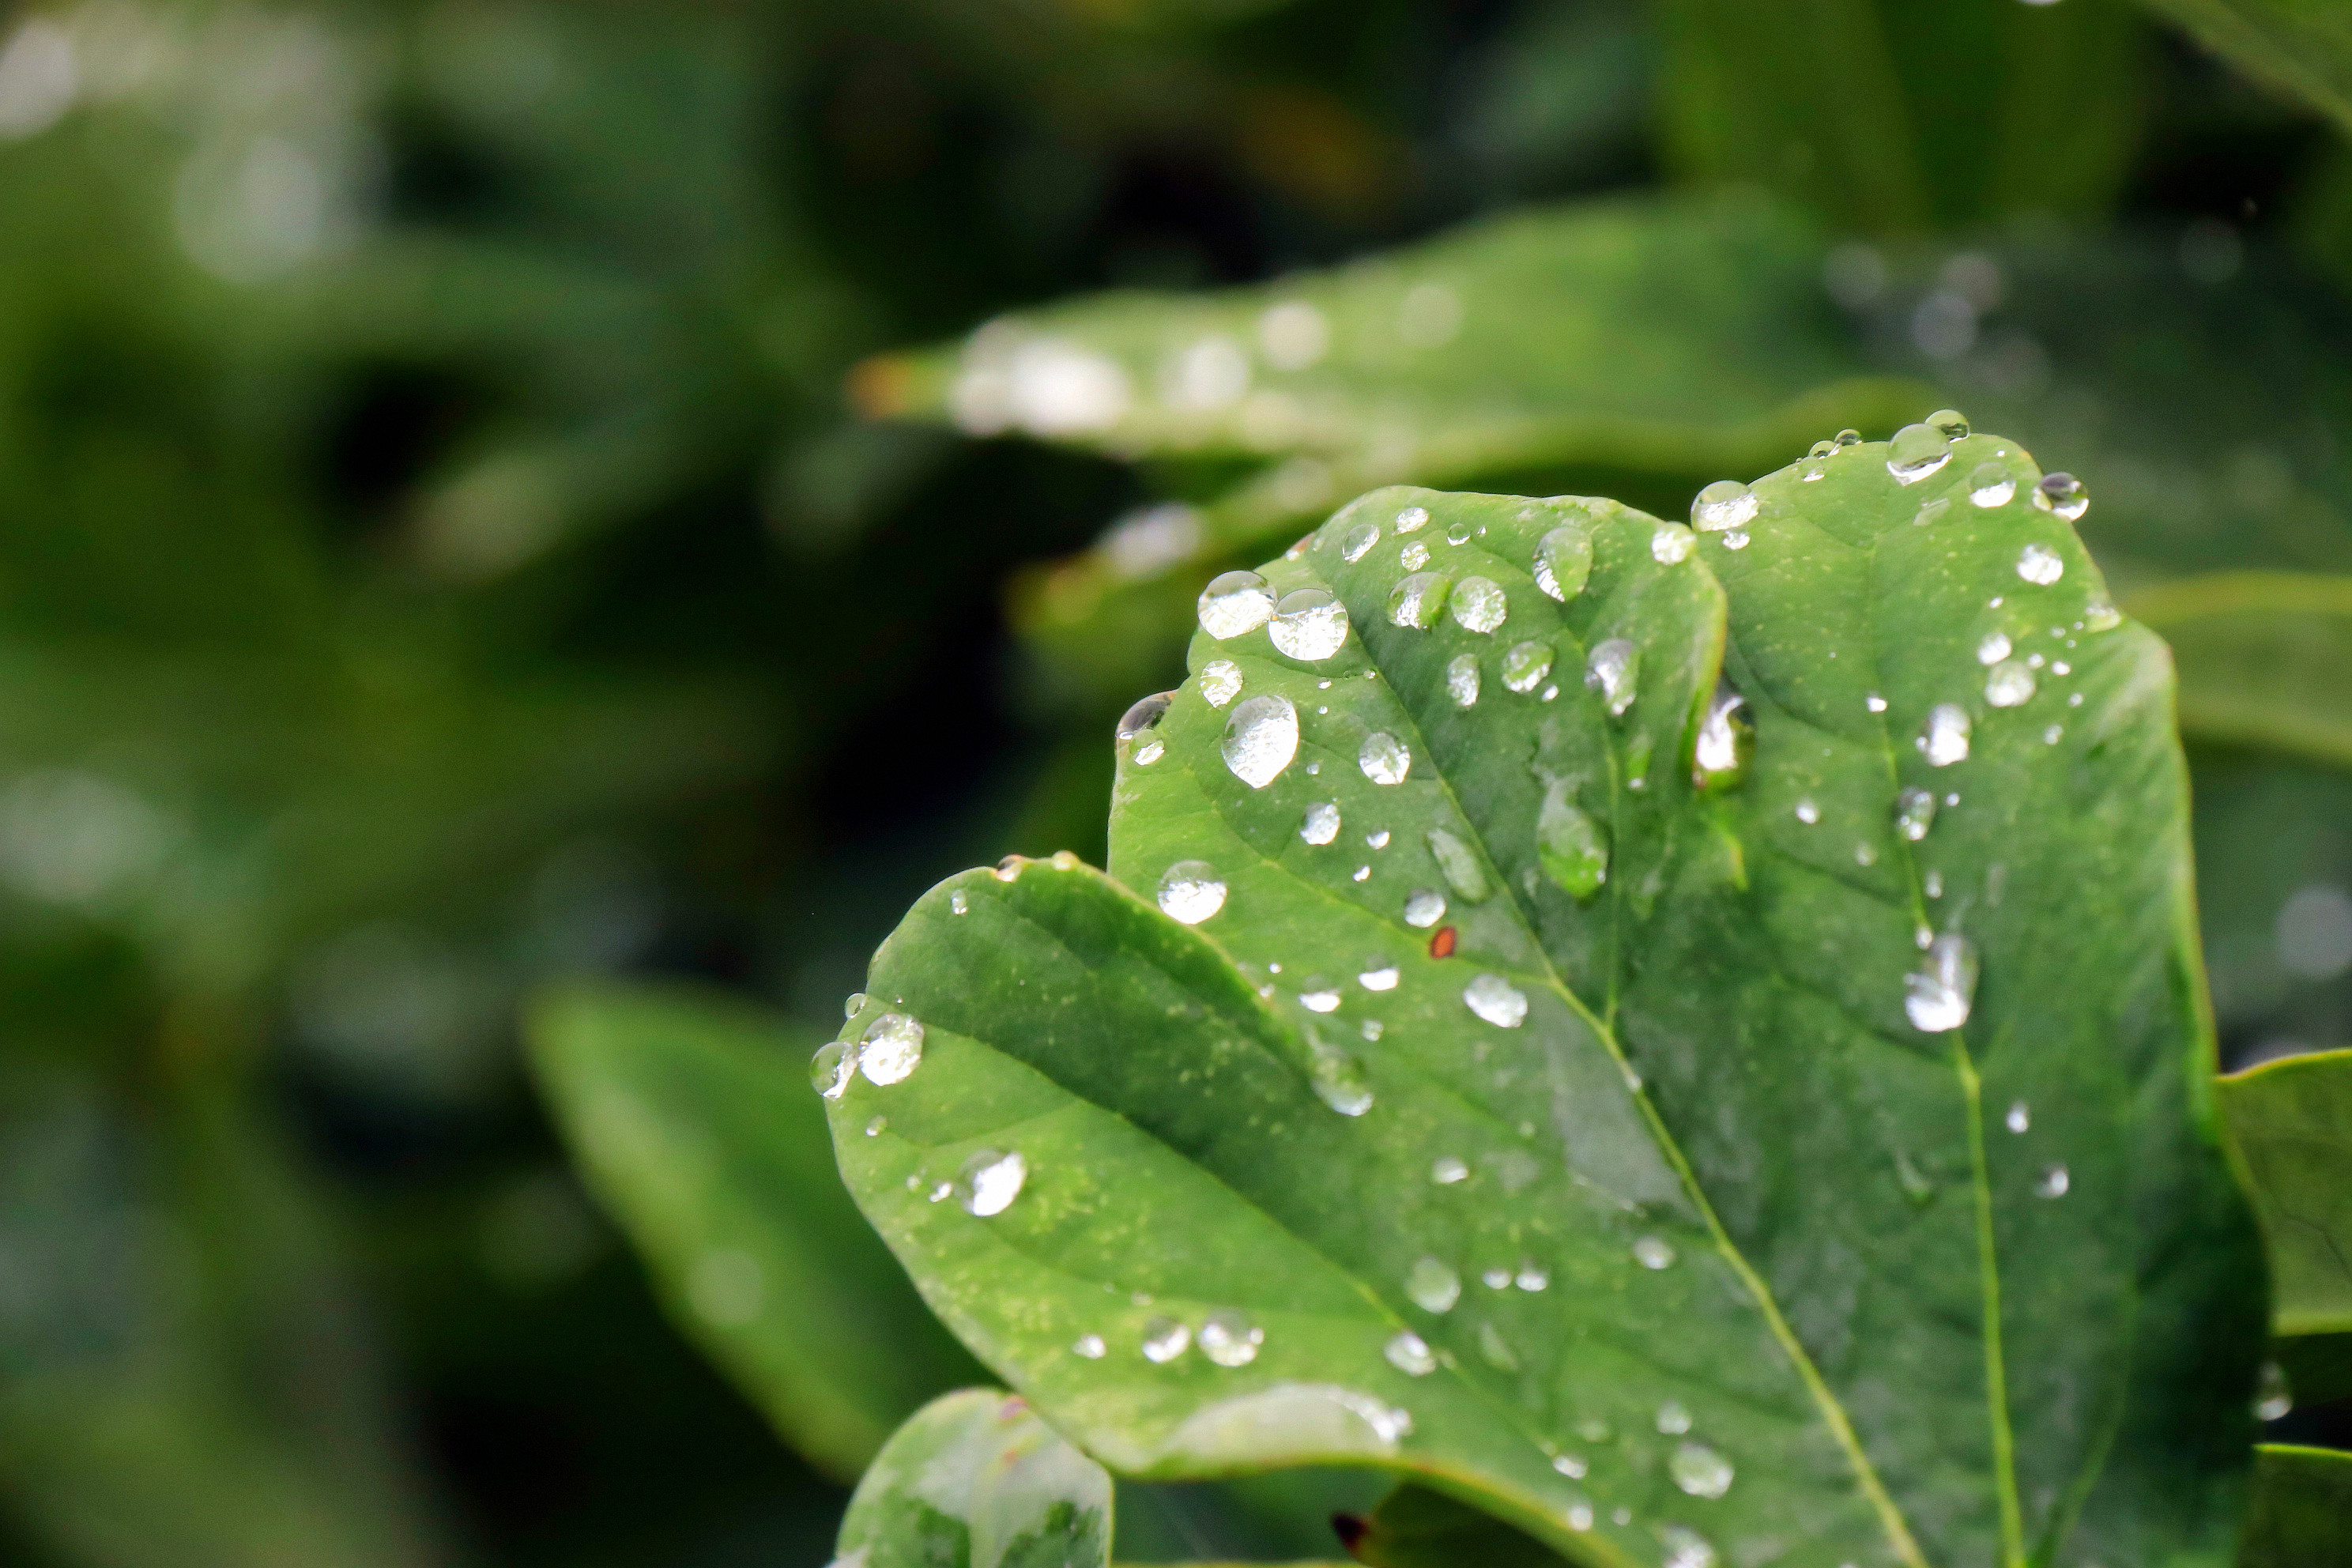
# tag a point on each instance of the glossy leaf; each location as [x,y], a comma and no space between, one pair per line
[2260,655]
[974,1480]
[691,1117]
[1682,1207]
[2301,1513]
[2303,48]
[2292,1122]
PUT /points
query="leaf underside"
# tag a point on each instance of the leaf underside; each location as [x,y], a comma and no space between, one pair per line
[2292,1122]
[2301,1513]
[1646,1217]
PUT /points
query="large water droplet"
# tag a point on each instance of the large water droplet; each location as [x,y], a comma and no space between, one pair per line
[2009,683]
[1525,666]
[1337,1078]
[1230,1339]
[1563,562]
[1411,517]
[1653,1252]
[1261,738]
[1432,1286]
[1145,715]
[1917,451]
[2063,494]
[1939,992]
[1221,682]
[1950,423]
[1414,603]
[1944,739]
[1992,484]
[1727,503]
[1309,623]
[1235,603]
[1165,1339]
[1613,670]
[1671,545]
[989,1182]
[1423,907]
[1465,873]
[1479,604]
[1321,823]
[832,1067]
[1461,679]
[1685,1548]
[1384,759]
[1359,541]
[890,1050]
[1410,1354]
[1572,849]
[1191,891]
[1413,556]
[1497,1000]
[1914,812]
[1700,1470]
[1720,753]
[2273,1399]
[2040,565]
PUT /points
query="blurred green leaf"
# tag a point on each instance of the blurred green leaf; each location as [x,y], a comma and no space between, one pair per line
[975,1479]
[2292,1122]
[2304,47]
[1417,1528]
[2261,656]
[1136,1121]
[2301,1508]
[692,1118]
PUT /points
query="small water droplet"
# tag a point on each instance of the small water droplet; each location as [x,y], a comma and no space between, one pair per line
[854,1003]
[1945,739]
[1532,1277]
[2099,616]
[1410,1354]
[1319,997]
[1423,907]
[877,1127]
[832,1067]
[1359,541]
[2039,563]
[1147,752]
[1497,1000]
[1461,679]
[1384,759]
[1916,1185]
[1459,533]
[1413,556]
[1360,874]
[1653,1252]
[1261,738]
[1847,438]
[1865,855]
[1673,1418]
[2009,683]
[1874,702]
[1321,823]
[1808,813]
[1221,682]
[2273,1399]
[1191,891]
[1720,753]
[1950,423]
[1496,1279]
[2053,735]
[1563,562]
[989,1182]
[1934,884]
[1370,1029]
[1145,715]
[1411,517]
[1165,1339]
[1993,647]
[1414,603]
[2063,494]
[1915,452]
[1991,485]
[1525,666]
[1463,872]
[1432,1286]
[1914,812]
[1479,604]
[1931,512]
[1090,1346]
[1671,545]
[1685,1548]
[1938,994]
[890,1050]
[1572,849]
[2053,1182]
[1230,1339]
[1572,1465]
[1725,504]
[1613,670]
[1447,1170]
[2020,1117]
[1378,840]
[959,903]
[1235,603]
[1336,1077]
[1309,623]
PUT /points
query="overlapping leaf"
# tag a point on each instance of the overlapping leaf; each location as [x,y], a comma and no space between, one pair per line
[2292,1122]
[2302,1514]
[1683,1208]
[975,1480]
[2303,47]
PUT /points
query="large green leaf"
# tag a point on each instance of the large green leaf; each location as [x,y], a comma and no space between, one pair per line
[2293,1121]
[974,1480]
[2302,1514]
[2302,46]
[688,1114]
[1689,1204]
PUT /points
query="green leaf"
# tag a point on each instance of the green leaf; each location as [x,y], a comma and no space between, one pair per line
[2259,655]
[2293,1121]
[1417,1528]
[1656,1201]
[2301,1513]
[691,1116]
[974,1480]
[2303,48]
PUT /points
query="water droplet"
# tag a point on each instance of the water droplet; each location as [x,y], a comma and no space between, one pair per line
[1149,751]
[1461,679]
[1465,873]
[1993,648]
[1497,1000]
[1938,995]
[1572,1465]
[1736,540]
[890,1050]
[874,1128]
[1423,907]
[2273,1398]
[1808,813]
[1572,849]
[1992,484]
[1378,840]
[1321,823]
[1411,517]
[1415,601]
[1934,884]
[958,903]
[1447,1170]
[2099,616]
[1362,874]
[1230,1339]
[1914,812]
[1191,891]
[1950,423]
[1672,544]
[1337,1078]
[1821,449]
[2063,494]
[2053,1182]
[1700,1470]
[1221,682]
[1532,1277]
[1165,1339]
[1359,541]
[2009,683]
[1874,702]
[1370,1029]
[989,1182]
[1413,556]
[1320,996]
[1261,738]
[1410,1354]
[1432,1286]
[1847,438]
[831,1069]
[1915,452]
[1815,471]
[1458,534]
[1479,604]
[854,1003]
[1613,670]
[2040,563]
[1727,503]
[2020,1117]
[1720,753]
[1309,623]
[1945,739]
[1685,1548]
[1563,562]
[1145,715]
[1384,758]
[1235,603]
[1673,1418]
[1865,855]
[1090,1346]
[1653,1252]
[1525,666]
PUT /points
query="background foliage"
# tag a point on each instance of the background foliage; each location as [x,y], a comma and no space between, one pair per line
[444,551]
